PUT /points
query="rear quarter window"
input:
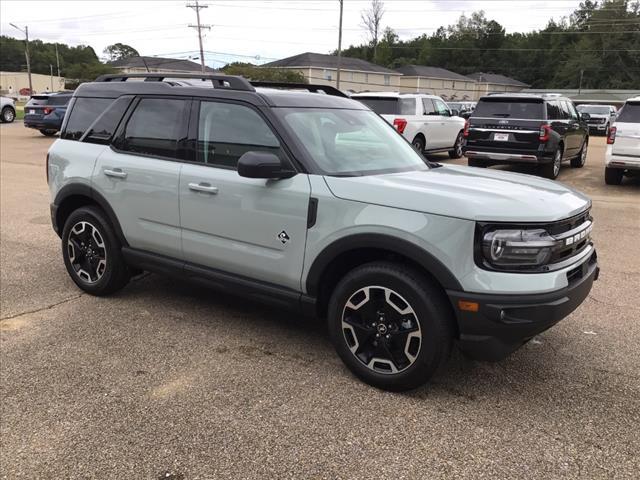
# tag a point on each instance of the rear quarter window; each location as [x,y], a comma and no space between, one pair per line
[506,108]
[630,113]
[85,111]
[390,105]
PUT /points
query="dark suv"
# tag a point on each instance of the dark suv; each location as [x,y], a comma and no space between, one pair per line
[525,128]
[46,112]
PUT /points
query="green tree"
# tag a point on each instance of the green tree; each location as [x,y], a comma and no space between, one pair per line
[263,74]
[119,51]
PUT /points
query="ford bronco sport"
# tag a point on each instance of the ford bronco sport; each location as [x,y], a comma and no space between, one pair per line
[308,199]
[542,130]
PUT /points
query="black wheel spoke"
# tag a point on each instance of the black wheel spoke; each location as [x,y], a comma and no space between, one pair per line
[89,254]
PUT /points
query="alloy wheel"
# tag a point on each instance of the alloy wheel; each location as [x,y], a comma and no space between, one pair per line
[8,115]
[583,154]
[381,329]
[556,163]
[458,146]
[87,252]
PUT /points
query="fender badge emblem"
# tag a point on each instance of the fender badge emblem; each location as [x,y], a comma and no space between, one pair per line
[284,238]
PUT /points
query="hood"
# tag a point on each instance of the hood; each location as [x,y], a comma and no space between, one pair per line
[464,192]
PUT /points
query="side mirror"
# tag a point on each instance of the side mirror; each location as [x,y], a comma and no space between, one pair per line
[254,164]
[455,113]
[465,115]
[585,116]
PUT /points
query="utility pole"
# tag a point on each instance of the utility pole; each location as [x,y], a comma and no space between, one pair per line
[57,60]
[51,76]
[339,47]
[26,53]
[199,27]
[580,84]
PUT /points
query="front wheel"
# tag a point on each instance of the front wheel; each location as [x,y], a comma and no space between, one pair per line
[91,252]
[457,147]
[390,325]
[48,133]
[551,170]
[581,159]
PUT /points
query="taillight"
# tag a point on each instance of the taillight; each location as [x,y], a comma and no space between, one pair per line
[545,131]
[46,165]
[465,133]
[400,124]
[611,139]
[48,110]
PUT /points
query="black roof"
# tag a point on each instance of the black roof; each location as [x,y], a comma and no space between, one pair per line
[160,63]
[430,72]
[320,60]
[496,78]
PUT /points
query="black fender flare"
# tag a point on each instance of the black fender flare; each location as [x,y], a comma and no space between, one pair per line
[384,242]
[82,190]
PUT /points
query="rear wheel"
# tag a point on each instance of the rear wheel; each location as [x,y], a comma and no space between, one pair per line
[457,147]
[613,176]
[419,143]
[551,170]
[8,115]
[390,325]
[581,159]
[91,252]
[48,133]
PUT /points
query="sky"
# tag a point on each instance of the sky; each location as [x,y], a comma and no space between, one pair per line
[255,31]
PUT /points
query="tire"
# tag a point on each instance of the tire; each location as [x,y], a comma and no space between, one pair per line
[457,147]
[419,143]
[474,162]
[48,133]
[613,176]
[92,252]
[410,316]
[8,115]
[607,131]
[551,170]
[581,159]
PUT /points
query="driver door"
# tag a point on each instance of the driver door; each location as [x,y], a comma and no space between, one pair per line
[245,226]
[448,127]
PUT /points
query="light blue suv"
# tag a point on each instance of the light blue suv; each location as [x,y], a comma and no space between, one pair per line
[306,199]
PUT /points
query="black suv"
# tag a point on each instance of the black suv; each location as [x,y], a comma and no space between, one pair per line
[523,128]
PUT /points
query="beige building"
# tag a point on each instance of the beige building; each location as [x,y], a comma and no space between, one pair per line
[12,82]
[356,75]
[494,83]
[436,81]
[158,65]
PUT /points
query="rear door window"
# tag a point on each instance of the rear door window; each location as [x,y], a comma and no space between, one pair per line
[509,108]
[429,108]
[390,105]
[630,113]
[155,127]
[554,112]
[84,112]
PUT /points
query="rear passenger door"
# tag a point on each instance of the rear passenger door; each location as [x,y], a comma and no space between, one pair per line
[139,174]
[431,121]
[249,227]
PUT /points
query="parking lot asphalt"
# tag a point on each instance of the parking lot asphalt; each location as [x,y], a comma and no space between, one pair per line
[167,380]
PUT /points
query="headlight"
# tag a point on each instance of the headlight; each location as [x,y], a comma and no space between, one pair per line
[541,247]
[517,248]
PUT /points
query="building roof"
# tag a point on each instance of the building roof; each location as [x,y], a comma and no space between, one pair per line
[320,60]
[430,72]
[160,63]
[496,79]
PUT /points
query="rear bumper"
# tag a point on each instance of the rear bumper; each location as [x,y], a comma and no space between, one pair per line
[43,124]
[503,323]
[626,162]
[533,157]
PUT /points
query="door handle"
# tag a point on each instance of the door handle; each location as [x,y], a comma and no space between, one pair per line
[116,172]
[203,187]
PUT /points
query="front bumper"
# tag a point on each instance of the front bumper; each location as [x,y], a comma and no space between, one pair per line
[503,323]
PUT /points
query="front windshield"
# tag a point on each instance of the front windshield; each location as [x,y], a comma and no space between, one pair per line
[350,142]
[592,109]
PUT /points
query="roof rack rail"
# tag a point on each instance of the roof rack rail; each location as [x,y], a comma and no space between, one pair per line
[230,82]
[314,88]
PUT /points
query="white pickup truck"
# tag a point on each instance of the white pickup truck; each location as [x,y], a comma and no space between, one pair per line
[623,144]
[425,120]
